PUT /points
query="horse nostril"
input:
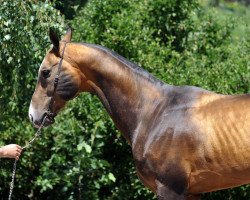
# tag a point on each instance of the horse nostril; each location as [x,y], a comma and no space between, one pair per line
[31,118]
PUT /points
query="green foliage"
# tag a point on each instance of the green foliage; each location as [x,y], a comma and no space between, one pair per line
[23,37]
[69,7]
[24,29]
[83,156]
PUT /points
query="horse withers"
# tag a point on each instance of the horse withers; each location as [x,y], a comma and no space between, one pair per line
[185,140]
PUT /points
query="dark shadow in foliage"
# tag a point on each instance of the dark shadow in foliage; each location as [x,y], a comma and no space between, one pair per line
[69,7]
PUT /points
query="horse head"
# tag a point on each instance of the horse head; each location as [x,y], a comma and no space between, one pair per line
[48,94]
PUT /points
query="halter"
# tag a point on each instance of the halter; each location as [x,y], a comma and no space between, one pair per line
[50,114]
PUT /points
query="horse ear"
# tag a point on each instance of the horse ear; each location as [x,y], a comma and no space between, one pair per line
[54,38]
[67,36]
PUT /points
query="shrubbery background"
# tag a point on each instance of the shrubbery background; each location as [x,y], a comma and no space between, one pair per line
[83,156]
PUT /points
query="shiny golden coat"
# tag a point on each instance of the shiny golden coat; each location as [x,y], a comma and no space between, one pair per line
[185,140]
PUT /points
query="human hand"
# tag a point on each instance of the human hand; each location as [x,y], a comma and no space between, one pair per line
[11,151]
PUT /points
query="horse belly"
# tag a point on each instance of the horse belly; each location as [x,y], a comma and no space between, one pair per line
[220,165]
[223,162]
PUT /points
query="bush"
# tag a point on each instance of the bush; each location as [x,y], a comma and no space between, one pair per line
[23,32]
[23,40]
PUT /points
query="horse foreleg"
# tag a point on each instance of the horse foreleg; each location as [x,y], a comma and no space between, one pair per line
[164,193]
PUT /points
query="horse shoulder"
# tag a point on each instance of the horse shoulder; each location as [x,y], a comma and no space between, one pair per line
[164,149]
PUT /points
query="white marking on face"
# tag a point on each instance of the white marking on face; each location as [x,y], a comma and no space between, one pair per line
[32,113]
[36,116]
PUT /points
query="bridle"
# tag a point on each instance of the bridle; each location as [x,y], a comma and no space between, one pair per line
[50,114]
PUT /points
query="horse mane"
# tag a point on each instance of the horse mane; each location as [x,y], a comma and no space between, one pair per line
[134,67]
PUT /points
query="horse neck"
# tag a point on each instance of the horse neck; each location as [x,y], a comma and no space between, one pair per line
[124,90]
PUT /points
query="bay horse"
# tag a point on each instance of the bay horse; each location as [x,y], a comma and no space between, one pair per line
[185,140]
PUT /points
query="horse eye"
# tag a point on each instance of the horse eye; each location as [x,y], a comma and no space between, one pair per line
[46,73]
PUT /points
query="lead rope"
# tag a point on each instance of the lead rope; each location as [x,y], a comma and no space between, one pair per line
[38,133]
[49,114]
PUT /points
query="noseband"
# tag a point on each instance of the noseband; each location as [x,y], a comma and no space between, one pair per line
[50,114]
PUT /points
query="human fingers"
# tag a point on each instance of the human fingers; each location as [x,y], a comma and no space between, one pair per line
[19,151]
[18,147]
[17,155]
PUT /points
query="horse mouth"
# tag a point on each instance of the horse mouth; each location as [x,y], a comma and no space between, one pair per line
[46,120]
